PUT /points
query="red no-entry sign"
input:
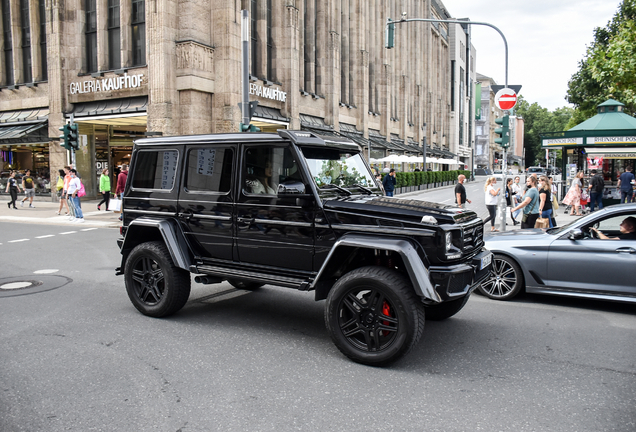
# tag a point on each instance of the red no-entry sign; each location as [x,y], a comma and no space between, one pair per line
[506,99]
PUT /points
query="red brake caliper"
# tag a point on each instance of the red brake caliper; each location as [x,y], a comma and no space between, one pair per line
[386,310]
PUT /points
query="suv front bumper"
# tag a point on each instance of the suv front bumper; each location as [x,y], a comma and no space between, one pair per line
[461,279]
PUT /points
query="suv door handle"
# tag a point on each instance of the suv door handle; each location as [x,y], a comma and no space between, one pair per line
[245,220]
[626,250]
[187,215]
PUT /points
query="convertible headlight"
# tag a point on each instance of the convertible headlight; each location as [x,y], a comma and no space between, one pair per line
[449,240]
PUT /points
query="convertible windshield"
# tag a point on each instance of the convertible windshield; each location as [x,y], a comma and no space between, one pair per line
[339,168]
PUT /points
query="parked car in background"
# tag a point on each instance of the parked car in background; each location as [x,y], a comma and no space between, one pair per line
[568,261]
[482,171]
[539,171]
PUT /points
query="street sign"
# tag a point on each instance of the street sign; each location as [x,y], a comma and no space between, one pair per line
[506,99]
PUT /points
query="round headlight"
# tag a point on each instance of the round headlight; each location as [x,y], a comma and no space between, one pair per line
[449,240]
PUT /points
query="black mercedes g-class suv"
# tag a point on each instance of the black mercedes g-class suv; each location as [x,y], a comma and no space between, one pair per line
[298,210]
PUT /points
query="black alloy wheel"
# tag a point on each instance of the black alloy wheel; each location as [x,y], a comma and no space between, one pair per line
[374,316]
[155,286]
[505,280]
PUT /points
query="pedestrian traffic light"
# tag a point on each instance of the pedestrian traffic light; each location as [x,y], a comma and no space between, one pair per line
[249,128]
[64,137]
[503,131]
[389,36]
[73,136]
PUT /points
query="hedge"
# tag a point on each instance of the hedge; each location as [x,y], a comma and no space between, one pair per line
[418,178]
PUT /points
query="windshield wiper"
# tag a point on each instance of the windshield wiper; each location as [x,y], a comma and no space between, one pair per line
[341,189]
[368,191]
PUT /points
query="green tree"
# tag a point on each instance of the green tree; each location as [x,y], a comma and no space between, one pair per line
[538,120]
[608,69]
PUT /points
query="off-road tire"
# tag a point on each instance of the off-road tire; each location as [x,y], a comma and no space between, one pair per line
[356,315]
[245,285]
[445,310]
[155,286]
[505,280]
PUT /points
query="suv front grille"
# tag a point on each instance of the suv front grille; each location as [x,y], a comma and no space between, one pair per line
[473,235]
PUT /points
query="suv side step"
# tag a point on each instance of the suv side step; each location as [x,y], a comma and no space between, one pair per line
[229,273]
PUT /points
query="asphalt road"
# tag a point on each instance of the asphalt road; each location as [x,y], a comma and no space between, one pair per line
[76,356]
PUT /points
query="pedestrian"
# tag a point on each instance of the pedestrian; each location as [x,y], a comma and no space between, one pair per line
[460,191]
[573,197]
[389,183]
[13,187]
[28,185]
[491,201]
[73,188]
[104,188]
[555,201]
[510,200]
[596,188]
[121,184]
[545,197]
[517,195]
[624,184]
[61,191]
[530,204]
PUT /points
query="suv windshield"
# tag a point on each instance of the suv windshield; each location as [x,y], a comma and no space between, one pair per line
[338,167]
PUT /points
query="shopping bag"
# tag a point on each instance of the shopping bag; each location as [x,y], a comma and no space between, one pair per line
[114,205]
[81,191]
[542,223]
[555,203]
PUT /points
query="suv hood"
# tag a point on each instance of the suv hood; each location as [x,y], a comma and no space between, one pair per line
[396,208]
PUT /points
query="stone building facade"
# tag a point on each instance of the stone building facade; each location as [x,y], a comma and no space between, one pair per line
[124,69]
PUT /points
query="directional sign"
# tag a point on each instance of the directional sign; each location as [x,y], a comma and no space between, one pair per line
[506,99]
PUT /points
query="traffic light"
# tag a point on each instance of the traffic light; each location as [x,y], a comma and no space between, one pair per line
[73,136]
[64,137]
[249,128]
[503,131]
[389,36]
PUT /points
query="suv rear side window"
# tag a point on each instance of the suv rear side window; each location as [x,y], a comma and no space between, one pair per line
[155,169]
[209,170]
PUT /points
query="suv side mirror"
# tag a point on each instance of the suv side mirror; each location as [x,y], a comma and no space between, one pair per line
[291,187]
[576,234]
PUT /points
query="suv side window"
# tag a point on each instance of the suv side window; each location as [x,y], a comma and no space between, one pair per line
[209,170]
[155,169]
[266,167]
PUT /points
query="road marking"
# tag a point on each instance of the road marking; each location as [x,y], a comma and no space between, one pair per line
[46,271]
[45,236]
[68,232]
[15,241]
[88,229]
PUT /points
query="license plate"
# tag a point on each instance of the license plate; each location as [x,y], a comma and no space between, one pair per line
[485,261]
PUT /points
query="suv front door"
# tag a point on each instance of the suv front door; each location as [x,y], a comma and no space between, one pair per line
[206,199]
[273,229]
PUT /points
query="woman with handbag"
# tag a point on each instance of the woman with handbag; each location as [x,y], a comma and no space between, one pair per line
[530,204]
[61,192]
[545,195]
[510,200]
[491,201]
[573,197]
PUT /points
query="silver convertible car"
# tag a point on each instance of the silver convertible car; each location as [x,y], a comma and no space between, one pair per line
[572,260]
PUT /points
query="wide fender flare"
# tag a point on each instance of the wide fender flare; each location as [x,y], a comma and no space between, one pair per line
[142,229]
[417,271]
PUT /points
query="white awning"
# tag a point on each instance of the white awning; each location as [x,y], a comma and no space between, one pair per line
[613,152]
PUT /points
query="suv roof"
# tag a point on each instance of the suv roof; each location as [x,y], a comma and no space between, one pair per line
[301,138]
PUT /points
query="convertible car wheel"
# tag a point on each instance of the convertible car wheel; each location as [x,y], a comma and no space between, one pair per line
[505,281]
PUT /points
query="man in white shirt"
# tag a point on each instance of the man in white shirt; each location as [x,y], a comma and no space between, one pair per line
[74,186]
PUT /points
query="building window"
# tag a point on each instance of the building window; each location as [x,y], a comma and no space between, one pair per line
[43,63]
[114,40]
[8,50]
[139,32]
[91,35]
[253,37]
[27,75]
[270,43]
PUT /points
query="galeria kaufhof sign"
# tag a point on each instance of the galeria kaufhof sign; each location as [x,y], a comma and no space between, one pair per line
[268,92]
[120,82]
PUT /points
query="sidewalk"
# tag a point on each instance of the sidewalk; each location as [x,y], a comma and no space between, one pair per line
[44,213]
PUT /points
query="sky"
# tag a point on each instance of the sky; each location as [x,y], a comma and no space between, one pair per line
[546,41]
